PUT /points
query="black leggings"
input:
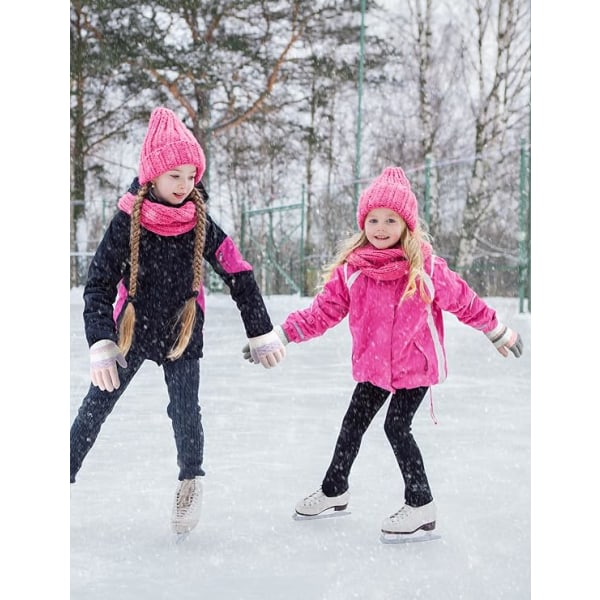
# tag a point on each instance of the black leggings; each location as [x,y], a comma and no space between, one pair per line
[183,381]
[366,401]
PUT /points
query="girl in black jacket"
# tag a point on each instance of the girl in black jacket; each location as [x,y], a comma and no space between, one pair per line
[144,300]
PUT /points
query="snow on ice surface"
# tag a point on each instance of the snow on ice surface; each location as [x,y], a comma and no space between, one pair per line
[269,435]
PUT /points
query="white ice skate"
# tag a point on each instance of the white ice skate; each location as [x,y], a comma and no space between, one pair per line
[317,503]
[187,506]
[410,524]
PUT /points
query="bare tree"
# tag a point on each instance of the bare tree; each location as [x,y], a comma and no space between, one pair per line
[501,61]
[269,88]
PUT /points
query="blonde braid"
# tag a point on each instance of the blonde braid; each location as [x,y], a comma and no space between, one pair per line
[187,314]
[128,321]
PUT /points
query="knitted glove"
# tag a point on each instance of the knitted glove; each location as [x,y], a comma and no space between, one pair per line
[505,339]
[104,356]
[268,349]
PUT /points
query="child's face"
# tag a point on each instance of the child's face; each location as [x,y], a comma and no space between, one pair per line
[383,227]
[175,185]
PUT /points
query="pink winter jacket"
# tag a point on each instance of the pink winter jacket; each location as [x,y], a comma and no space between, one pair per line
[394,345]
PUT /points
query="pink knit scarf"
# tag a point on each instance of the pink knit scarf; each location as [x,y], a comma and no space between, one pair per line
[161,219]
[383,265]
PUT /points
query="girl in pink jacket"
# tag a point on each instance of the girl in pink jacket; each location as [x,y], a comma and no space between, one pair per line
[393,289]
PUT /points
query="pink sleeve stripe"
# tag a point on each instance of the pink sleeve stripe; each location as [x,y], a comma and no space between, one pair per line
[121,297]
[230,259]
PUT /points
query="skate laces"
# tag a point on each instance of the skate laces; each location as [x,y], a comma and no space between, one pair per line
[401,514]
[313,498]
[186,496]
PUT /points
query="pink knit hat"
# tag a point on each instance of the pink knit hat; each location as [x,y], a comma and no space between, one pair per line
[390,190]
[168,144]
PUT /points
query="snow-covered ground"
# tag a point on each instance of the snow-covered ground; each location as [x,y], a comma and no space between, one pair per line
[269,437]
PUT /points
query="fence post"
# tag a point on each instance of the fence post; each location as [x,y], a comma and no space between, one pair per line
[522,237]
[361,68]
[303,281]
[243,229]
[427,194]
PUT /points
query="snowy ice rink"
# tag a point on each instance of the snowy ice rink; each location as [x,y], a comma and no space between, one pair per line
[269,435]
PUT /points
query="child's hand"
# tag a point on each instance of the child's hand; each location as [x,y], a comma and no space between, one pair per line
[104,356]
[268,349]
[505,339]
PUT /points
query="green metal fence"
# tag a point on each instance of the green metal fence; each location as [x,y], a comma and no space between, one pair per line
[289,242]
[287,261]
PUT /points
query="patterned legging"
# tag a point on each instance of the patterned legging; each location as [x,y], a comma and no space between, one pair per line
[366,401]
[183,381]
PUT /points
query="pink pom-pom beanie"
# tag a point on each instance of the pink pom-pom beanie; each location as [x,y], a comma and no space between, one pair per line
[168,144]
[390,190]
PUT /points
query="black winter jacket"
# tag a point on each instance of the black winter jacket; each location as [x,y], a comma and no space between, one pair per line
[163,285]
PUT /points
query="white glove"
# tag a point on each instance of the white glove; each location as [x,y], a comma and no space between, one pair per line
[505,339]
[104,356]
[267,349]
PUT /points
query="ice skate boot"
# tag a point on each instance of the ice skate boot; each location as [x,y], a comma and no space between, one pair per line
[317,503]
[187,505]
[410,523]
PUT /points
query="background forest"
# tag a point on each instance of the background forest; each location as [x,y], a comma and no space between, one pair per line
[298,105]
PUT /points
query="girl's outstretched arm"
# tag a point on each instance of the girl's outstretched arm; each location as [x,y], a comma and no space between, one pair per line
[327,309]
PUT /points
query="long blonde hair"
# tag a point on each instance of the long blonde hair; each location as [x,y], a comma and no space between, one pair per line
[187,315]
[410,241]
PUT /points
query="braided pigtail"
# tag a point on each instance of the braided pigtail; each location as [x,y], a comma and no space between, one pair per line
[187,315]
[128,321]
